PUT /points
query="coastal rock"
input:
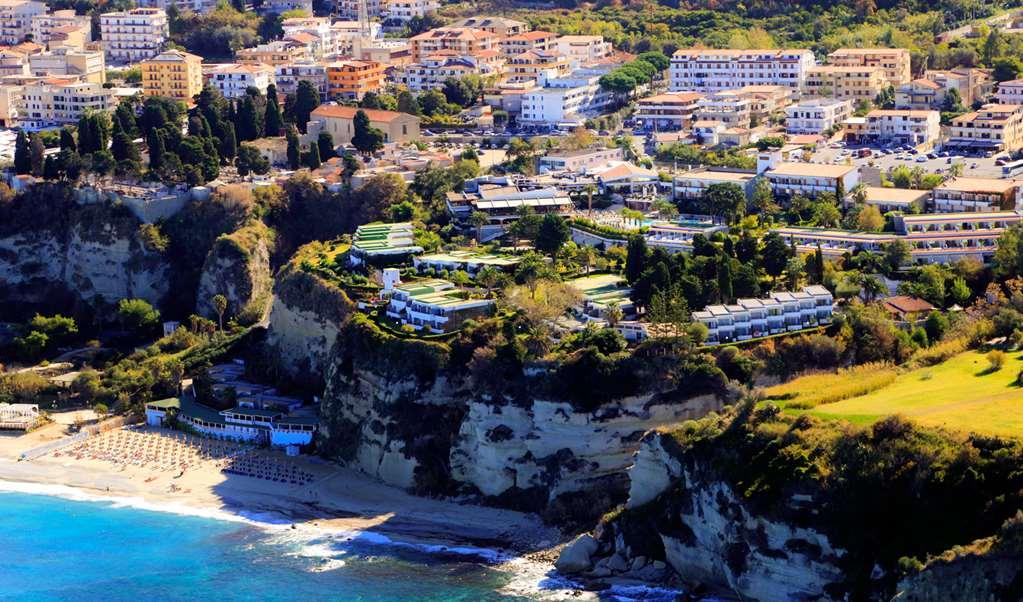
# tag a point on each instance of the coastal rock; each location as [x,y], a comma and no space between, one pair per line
[92,254]
[707,535]
[238,267]
[306,315]
[575,557]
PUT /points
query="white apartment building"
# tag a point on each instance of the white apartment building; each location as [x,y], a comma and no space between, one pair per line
[693,184]
[283,6]
[85,64]
[895,62]
[461,40]
[713,69]
[726,106]
[904,126]
[134,35]
[196,6]
[969,195]
[781,311]
[584,49]
[234,79]
[434,69]
[666,112]
[529,40]
[13,63]
[816,115]
[993,127]
[57,102]
[288,76]
[16,19]
[44,25]
[406,10]
[567,101]
[812,179]
[1010,92]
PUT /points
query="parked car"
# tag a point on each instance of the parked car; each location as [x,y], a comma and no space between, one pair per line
[921,159]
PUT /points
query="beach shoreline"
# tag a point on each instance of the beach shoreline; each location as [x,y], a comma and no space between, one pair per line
[337,501]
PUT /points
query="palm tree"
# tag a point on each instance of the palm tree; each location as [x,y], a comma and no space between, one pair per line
[585,255]
[478,219]
[220,306]
[613,314]
[590,189]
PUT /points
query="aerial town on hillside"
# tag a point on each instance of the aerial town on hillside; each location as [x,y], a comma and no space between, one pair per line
[615,145]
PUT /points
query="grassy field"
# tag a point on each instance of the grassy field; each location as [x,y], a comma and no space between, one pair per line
[960,394]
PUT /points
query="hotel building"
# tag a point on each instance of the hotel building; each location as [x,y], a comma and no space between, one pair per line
[816,115]
[55,26]
[461,40]
[406,10]
[903,126]
[288,76]
[779,312]
[350,80]
[582,50]
[87,65]
[847,83]
[499,26]
[693,184]
[894,62]
[530,40]
[433,70]
[995,127]
[668,112]
[565,101]
[1010,92]
[172,74]
[234,79]
[718,69]
[965,194]
[134,35]
[435,305]
[16,19]
[57,102]
[932,238]
[531,64]
[278,52]
[812,179]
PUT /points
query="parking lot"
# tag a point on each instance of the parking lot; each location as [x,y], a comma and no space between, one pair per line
[972,166]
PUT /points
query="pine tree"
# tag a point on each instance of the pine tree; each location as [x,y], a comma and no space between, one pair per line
[407,103]
[247,122]
[294,154]
[122,148]
[273,120]
[228,146]
[22,154]
[37,151]
[125,114]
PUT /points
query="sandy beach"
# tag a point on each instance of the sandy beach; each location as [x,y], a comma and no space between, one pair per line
[171,471]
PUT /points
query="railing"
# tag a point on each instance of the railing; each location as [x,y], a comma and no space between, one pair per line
[46,448]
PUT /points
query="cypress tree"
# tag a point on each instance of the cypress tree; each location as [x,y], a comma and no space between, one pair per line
[307,98]
[273,119]
[325,142]
[294,156]
[22,154]
[725,279]
[37,152]
[312,157]
[67,140]
[157,149]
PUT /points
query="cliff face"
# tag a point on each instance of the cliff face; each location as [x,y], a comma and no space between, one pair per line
[238,267]
[306,314]
[395,410]
[93,254]
[988,569]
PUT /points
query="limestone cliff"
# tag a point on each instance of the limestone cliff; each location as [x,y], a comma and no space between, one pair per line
[681,512]
[988,570]
[238,267]
[403,410]
[306,314]
[52,246]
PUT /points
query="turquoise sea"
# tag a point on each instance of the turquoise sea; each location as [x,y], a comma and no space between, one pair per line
[53,548]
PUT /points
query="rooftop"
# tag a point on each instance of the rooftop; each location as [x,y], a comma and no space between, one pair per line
[811,169]
[967,184]
[342,112]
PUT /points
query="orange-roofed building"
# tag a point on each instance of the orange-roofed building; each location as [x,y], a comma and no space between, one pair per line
[463,40]
[340,122]
[350,80]
[530,40]
[172,74]
[670,111]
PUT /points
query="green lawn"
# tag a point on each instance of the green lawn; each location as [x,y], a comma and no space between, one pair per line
[960,394]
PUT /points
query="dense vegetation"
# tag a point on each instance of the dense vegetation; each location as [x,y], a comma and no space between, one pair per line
[941,489]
